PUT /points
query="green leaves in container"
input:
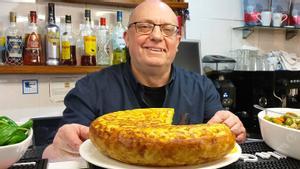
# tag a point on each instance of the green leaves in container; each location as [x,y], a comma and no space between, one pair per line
[11,133]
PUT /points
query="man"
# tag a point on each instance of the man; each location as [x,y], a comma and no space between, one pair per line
[148,79]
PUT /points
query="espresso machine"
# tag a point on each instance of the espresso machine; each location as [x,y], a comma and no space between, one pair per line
[216,67]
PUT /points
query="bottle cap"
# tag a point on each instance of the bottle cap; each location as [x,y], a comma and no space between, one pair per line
[119,16]
[68,19]
[87,14]
[33,16]
[51,11]
[103,21]
[12,16]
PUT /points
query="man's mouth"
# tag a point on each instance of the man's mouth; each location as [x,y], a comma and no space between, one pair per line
[155,49]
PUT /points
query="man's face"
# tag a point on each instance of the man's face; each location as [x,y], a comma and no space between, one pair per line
[154,49]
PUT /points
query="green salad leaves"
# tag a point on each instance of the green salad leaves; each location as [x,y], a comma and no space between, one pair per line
[11,132]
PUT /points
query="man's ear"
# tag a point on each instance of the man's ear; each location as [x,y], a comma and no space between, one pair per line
[126,38]
[178,39]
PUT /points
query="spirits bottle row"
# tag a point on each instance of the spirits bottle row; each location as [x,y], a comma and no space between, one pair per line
[52,47]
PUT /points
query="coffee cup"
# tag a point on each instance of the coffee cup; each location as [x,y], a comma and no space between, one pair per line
[265,18]
[278,19]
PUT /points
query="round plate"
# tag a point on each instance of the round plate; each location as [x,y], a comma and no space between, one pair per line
[90,153]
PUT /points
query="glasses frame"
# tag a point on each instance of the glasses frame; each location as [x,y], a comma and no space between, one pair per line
[160,27]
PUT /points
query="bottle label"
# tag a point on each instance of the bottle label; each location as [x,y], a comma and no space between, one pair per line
[90,45]
[2,41]
[66,50]
[119,42]
[14,46]
[2,46]
[53,37]
[32,41]
[52,45]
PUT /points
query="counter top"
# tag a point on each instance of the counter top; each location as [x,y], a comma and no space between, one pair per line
[249,148]
[74,164]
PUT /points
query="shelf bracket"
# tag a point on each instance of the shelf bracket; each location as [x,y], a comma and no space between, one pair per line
[289,34]
[247,33]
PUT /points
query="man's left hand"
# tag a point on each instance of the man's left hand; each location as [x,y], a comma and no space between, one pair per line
[232,121]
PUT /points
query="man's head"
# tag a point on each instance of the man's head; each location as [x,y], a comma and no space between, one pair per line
[152,36]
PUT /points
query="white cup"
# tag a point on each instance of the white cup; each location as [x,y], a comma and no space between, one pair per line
[265,18]
[278,18]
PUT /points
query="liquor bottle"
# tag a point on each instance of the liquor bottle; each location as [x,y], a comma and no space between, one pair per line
[2,48]
[14,43]
[68,53]
[52,38]
[119,52]
[32,54]
[103,44]
[88,43]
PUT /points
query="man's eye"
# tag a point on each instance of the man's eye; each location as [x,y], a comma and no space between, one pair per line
[168,30]
[145,26]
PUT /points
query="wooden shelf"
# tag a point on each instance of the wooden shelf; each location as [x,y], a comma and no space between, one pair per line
[125,3]
[49,69]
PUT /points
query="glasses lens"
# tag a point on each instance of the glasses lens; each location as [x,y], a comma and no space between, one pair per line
[144,28]
[168,30]
[147,28]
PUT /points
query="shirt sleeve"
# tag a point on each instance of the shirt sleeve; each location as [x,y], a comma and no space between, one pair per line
[212,100]
[81,103]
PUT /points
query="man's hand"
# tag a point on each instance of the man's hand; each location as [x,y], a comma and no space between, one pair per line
[233,122]
[66,142]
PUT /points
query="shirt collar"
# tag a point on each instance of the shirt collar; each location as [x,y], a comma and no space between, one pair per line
[132,80]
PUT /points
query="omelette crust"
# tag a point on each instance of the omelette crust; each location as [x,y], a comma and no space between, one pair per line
[146,137]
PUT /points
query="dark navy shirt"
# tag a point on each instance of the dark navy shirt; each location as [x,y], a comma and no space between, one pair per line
[115,88]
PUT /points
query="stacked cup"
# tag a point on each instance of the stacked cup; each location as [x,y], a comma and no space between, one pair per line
[277,18]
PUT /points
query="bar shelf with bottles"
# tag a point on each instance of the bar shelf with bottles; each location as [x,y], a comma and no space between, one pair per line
[24,53]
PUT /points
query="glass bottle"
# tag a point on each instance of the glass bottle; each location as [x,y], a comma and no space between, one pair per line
[32,54]
[14,43]
[52,38]
[2,48]
[119,52]
[68,53]
[88,43]
[103,44]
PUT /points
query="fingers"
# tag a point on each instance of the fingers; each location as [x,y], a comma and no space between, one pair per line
[69,137]
[233,122]
[84,133]
[219,117]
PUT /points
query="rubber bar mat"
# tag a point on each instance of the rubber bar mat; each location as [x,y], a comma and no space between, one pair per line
[30,164]
[272,163]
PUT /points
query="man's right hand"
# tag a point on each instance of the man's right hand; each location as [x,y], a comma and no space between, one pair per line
[66,142]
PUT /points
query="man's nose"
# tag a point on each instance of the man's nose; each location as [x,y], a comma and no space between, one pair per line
[156,34]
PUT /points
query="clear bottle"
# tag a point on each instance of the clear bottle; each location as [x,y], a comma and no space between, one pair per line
[119,52]
[52,38]
[32,54]
[2,47]
[14,43]
[68,53]
[87,42]
[103,44]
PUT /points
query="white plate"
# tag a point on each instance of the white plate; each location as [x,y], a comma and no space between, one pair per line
[90,153]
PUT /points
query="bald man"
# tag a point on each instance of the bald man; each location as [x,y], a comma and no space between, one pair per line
[148,79]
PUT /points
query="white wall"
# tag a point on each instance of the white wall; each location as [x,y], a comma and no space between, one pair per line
[212,22]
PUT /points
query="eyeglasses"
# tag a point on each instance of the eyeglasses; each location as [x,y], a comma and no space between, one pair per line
[147,28]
